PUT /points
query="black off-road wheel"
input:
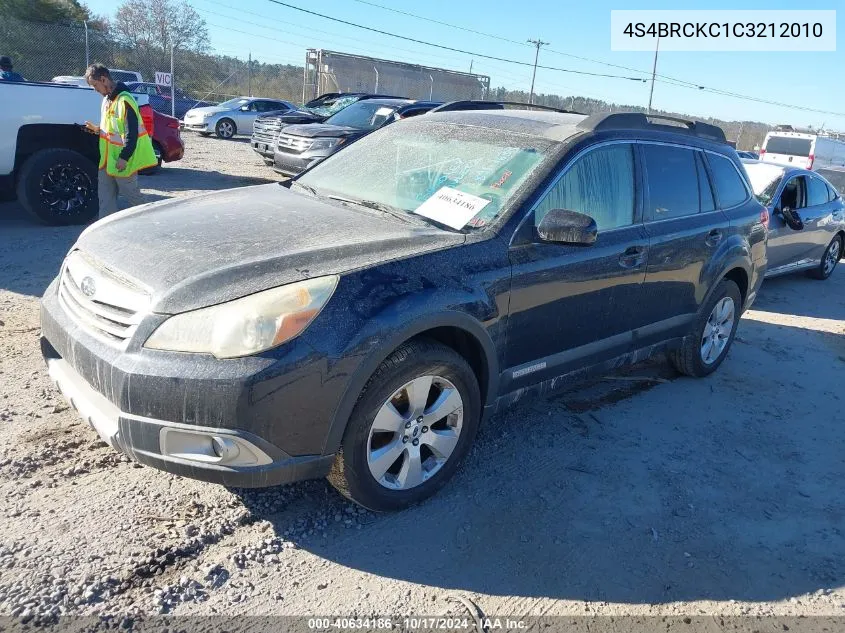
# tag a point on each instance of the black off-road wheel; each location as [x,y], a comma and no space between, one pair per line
[59,187]
[413,425]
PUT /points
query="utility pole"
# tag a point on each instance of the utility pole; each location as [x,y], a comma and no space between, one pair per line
[653,73]
[87,56]
[537,44]
[249,73]
[172,82]
[470,66]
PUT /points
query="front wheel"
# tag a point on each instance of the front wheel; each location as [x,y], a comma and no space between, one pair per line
[829,260]
[706,346]
[225,128]
[412,427]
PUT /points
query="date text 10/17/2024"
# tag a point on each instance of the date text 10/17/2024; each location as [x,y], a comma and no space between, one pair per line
[410,623]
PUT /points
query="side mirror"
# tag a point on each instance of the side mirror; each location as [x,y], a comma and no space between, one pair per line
[245,108]
[790,216]
[563,226]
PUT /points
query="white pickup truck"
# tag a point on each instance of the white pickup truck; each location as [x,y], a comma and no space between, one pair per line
[45,158]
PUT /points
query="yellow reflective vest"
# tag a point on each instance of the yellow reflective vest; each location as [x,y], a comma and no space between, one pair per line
[113,138]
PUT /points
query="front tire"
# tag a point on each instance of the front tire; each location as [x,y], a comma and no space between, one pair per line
[59,187]
[225,128]
[707,344]
[413,425]
[829,260]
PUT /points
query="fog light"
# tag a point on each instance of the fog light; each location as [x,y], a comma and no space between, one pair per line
[224,448]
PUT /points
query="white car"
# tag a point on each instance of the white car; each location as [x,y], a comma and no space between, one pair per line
[231,117]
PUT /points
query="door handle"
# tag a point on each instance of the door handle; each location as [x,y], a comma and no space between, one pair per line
[632,257]
[713,237]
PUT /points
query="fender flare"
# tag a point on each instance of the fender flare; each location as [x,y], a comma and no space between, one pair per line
[387,346]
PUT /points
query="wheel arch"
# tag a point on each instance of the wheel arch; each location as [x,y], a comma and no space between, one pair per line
[36,137]
[456,330]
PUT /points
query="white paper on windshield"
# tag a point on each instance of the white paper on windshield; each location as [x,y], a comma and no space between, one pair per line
[451,207]
[384,111]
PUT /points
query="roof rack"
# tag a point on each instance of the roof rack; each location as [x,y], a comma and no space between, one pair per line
[469,104]
[640,121]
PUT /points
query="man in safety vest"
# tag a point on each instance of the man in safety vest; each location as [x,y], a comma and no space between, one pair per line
[125,145]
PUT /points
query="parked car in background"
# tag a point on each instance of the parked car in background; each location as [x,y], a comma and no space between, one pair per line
[802,149]
[167,140]
[125,76]
[231,117]
[361,320]
[266,127]
[744,154]
[160,98]
[807,226]
[298,147]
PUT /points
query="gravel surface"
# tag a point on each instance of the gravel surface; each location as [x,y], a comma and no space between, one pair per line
[642,494]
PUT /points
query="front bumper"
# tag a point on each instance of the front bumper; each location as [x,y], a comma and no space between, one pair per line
[263,146]
[197,126]
[174,411]
[292,164]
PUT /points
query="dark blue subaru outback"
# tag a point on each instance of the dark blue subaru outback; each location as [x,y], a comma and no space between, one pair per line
[360,321]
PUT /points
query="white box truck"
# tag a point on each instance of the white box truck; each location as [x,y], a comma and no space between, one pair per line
[803,149]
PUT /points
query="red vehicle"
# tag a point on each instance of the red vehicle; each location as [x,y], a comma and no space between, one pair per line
[167,141]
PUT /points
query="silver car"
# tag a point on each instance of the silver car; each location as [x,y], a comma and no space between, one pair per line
[807,218]
[231,117]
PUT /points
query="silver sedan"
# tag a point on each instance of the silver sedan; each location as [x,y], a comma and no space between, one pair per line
[231,117]
[807,218]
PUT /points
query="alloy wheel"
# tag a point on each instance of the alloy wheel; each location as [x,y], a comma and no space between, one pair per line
[717,330]
[227,130]
[831,257]
[65,189]
[415,432]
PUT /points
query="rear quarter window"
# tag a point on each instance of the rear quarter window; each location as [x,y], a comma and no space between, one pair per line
[730,187]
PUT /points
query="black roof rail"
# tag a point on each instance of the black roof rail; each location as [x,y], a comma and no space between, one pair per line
[469,104]
[641,121]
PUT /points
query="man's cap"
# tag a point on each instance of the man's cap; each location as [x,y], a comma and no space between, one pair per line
[5,60]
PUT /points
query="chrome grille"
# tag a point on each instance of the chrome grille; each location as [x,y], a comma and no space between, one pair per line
[266,130]
[100,301]
[293,144]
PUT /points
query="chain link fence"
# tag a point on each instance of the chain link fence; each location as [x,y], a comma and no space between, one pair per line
[42,51]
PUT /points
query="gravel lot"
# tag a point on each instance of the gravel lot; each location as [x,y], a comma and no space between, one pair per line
[626,496]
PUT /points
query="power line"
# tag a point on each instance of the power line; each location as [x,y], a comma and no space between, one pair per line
[449,48]
[658,77]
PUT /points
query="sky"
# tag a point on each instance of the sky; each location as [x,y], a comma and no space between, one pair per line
[278,34]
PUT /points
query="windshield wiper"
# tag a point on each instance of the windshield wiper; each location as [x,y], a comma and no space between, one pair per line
[379,206]
[307,188]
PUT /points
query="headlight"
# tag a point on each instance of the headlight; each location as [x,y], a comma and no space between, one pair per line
[207,115]
[326,143]
[246,326]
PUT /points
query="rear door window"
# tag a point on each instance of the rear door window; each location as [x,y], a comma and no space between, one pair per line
[672,176]
[600,184]
[789,145]
[730,187]
[816,192]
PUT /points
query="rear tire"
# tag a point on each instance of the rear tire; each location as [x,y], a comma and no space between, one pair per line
[352,471]
[710,325]
[829,260]
[59,187]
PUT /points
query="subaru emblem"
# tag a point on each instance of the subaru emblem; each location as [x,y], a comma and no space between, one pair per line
[88,287]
